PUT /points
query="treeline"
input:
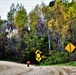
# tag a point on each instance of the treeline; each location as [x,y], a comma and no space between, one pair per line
[46,28]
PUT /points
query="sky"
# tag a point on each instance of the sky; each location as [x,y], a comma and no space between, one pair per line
[28,5]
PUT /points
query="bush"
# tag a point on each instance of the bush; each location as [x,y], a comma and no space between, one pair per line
[71,63]
[56,58]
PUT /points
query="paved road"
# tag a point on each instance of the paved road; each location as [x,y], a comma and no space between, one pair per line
[10,68]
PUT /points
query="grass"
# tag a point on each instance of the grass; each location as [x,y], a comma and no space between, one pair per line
[63,64]
[67,64]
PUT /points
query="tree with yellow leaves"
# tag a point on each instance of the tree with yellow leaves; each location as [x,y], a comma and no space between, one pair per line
[60,23]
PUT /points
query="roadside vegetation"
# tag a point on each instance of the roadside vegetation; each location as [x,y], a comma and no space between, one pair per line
[46,28]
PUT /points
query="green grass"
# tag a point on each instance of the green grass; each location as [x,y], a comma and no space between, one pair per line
[67,64]
[63,64]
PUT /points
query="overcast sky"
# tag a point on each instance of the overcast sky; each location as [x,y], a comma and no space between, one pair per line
[28,4]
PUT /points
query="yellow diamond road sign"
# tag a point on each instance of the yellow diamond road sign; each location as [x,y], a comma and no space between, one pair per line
[38,58]
[70,47]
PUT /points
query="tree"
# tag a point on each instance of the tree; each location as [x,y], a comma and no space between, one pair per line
[39,14]
[37,20]
[34,15]
[58,25]
[21,18]
[13,10]
[11,13]
[72,23]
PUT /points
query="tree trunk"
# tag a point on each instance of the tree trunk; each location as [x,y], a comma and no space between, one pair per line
[59,45]
[49,45]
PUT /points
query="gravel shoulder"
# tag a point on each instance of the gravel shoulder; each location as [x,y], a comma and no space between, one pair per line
[11,68]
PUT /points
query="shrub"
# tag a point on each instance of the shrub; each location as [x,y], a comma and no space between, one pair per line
[56,58]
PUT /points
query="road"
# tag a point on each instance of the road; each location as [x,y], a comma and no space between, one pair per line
[11,68]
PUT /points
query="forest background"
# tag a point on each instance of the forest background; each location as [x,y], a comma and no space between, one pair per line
[46,28]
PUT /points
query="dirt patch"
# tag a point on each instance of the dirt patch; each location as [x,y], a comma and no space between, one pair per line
[10,68]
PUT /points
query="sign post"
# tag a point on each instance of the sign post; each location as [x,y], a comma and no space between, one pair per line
[70,47]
